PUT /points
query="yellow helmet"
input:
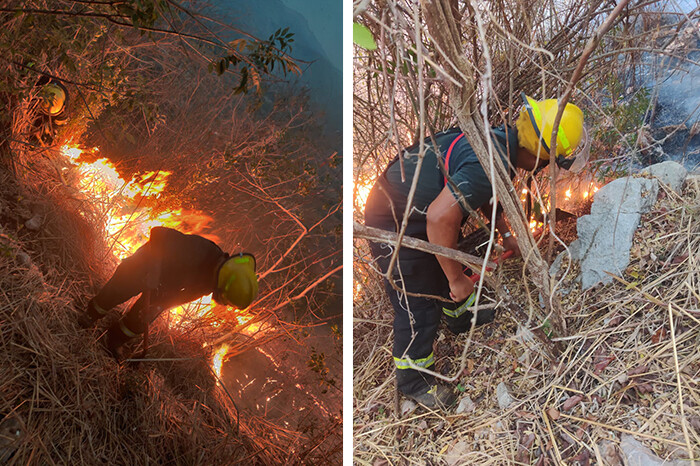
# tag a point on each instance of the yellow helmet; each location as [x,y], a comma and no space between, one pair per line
[535,127]
[237,283]
[53,98]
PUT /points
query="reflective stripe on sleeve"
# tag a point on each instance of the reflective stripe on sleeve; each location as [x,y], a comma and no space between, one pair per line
[405,363]
[461,309]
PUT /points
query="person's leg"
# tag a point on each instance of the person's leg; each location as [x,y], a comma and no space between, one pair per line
[458,316]
[135,322]
[416,321]
[126,282]
[415,325]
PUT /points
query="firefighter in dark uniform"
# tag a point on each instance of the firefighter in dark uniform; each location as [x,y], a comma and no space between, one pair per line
[437,216]
[171,269]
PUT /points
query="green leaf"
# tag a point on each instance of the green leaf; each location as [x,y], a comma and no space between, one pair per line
[547,328]
[363,37]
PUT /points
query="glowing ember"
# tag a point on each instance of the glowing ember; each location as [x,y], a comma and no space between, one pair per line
[535,226]
[568,194]
[218,359]
[72,153]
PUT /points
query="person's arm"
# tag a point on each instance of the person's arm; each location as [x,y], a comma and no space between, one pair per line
[509,241]
[443,222]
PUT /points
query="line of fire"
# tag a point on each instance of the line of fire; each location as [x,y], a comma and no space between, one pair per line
[170,235]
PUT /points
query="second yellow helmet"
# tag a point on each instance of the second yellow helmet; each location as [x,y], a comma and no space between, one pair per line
[53,98]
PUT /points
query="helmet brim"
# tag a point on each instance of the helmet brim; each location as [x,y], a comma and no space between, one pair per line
[582,154]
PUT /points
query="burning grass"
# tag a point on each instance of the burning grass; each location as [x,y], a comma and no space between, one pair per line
[630,365]
[75,405]
[63,400]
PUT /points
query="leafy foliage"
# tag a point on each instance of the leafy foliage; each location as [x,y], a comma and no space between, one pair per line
[317,363]
[253,57]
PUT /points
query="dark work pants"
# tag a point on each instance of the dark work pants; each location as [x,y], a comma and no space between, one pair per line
[136,274]
[416,319]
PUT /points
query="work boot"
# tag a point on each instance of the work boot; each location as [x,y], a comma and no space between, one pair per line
[85,321]
[464,323]
[437,396]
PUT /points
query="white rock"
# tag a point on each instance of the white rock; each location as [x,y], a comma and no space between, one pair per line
[671,173]
[23,258]
[639,455]
[33,223]
[466,405]
[504,398]
[626,195]
[407,406]
[457,453]
[605,236]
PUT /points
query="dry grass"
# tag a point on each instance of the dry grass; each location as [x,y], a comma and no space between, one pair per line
[77,406]
[63,400]
[629,365]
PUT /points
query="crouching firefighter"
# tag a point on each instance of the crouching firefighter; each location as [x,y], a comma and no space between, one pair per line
[51,108]
[171,269]
[436,216]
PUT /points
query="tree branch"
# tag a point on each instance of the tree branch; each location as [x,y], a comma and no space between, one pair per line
[384,236]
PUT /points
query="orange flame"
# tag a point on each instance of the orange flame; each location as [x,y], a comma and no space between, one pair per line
[130,213]
[218,359]
[362,193]
[128,205]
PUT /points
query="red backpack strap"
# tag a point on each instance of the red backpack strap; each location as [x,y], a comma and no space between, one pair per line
[447,157]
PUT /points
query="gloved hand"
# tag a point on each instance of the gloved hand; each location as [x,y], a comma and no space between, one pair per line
[565,162]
